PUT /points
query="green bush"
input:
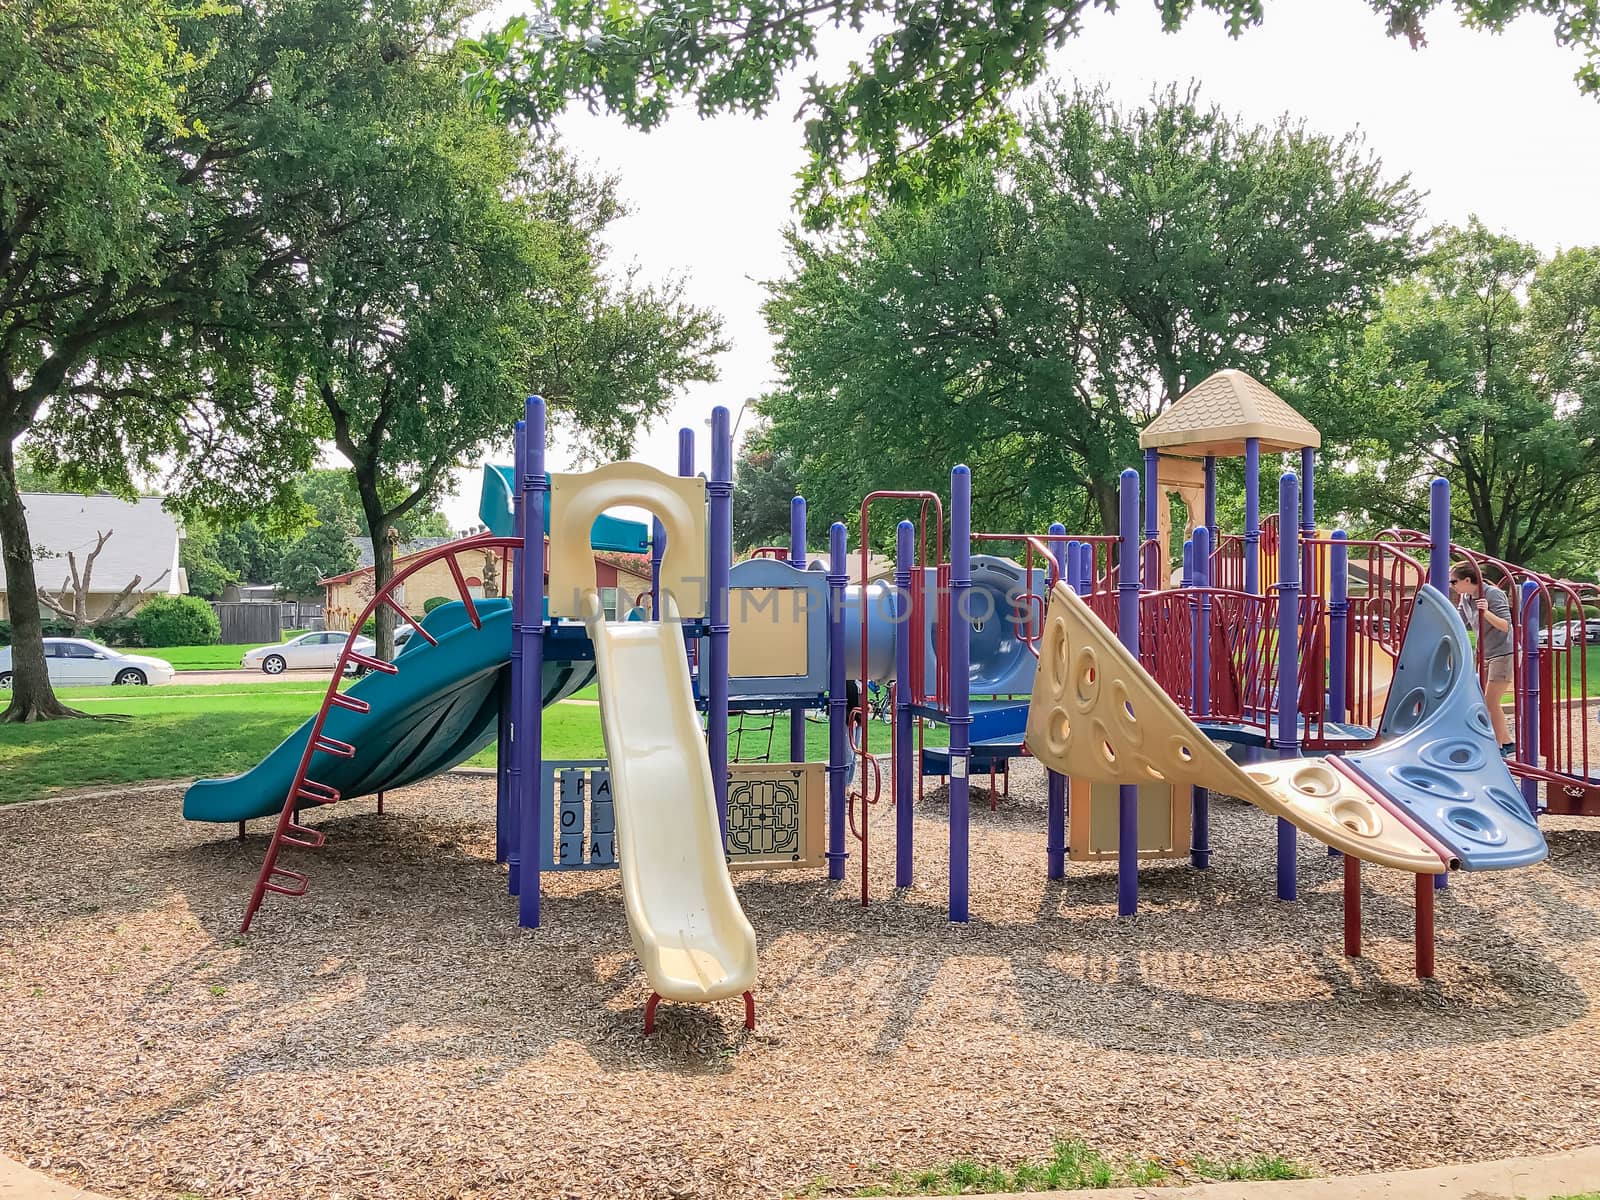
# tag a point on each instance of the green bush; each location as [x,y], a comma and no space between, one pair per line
[433,602]
[178,621]
[123,631]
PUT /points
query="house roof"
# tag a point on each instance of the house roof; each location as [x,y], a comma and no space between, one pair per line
[1218,414]
[144,540]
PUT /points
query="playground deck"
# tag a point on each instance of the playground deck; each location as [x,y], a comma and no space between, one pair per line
[404,1031]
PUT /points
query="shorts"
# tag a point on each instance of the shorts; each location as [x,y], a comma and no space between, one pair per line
[1498,669]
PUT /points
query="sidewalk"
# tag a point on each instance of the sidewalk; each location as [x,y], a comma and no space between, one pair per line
[1538,1178]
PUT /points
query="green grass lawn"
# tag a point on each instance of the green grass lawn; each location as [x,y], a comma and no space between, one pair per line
[177,731]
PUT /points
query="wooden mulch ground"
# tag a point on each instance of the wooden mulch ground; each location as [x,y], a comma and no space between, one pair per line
[395,1035]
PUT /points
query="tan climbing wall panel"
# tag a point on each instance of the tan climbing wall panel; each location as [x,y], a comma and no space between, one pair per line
[1164,821]
[1096,714]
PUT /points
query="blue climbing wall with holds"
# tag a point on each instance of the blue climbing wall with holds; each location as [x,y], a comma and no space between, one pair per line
[1437,758]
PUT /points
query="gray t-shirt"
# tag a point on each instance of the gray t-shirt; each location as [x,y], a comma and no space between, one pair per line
[1496,642]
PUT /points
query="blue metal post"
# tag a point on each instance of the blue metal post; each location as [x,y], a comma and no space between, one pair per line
[527,722]
[1339,627]
[719,493]
[1439,566]
[904,562]
[1154,567]
[1252,515]
[1128,632]
[797,558]
[1288,740]
[838,746]
[1211,497]
[1439,535]
[508,849]
[1055,833]
[960,716]
[1528,701]
[1200,798]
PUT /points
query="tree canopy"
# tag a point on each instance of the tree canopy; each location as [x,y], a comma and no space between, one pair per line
[1030,322]
[929,91]
[1483,366]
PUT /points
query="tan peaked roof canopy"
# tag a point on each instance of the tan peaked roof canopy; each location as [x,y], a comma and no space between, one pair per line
[1216,416]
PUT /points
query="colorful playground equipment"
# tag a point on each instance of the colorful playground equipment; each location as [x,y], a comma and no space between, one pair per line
[1323,679]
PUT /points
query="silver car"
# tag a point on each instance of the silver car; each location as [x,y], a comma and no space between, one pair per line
[318,651]
[78,662]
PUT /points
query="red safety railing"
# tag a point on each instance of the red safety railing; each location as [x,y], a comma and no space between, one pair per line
[305,791]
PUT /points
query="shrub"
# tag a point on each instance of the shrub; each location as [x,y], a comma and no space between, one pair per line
[121,631]
[5,633]
[178,621]
[433,602]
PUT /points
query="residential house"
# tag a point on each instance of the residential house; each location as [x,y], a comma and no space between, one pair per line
[141,548]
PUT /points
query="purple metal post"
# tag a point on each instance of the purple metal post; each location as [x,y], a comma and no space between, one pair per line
[1439,535]
[1154,567]
[797,558]
[838,745]
[658,550]
[1186,579]
[1339,627]
[1128,632]
[508,848]
[719,492]
[1211,497]
[1069,572]
[1528,701]
[686,470]
[1085,568]
[1439,567]
[1252,516]
[904,562]
[1308,519]
[960,715]
[1055,830]
[1287,742]
[527,721]
[1200,798]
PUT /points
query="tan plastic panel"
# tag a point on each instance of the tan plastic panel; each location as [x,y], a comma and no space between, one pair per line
[1096,714]
[1092,833]
[768,630]
[679,503]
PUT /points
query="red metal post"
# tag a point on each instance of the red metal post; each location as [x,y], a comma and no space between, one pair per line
[1352,906]
[1424,926]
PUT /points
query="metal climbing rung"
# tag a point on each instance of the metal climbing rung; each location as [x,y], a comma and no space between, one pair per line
[333,746]
[299,835]
[296,886]
[317,793]
[340,700]
[372,664]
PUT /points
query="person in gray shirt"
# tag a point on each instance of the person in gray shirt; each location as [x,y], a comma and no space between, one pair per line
[1486,609]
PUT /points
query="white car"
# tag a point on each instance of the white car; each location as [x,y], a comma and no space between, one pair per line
[78,662]
[309,651]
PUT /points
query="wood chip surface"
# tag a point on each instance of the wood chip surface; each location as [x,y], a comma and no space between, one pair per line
[395,1035]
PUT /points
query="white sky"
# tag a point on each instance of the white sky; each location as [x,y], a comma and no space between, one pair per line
[1487,124]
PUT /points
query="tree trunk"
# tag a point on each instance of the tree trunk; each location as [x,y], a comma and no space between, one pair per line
[1108,500]
[382,573]
[32,698]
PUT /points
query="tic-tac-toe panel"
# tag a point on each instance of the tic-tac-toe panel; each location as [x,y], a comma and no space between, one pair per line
[775,815]
[1096,714]
[1438,759]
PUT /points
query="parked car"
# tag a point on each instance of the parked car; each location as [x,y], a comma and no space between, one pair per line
[78,662]
[1586,632]
[310,651]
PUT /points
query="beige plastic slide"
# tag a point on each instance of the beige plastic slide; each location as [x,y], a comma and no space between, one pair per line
[1097,714]
[690,934]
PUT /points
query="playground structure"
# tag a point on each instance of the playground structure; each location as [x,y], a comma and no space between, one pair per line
[1262,676]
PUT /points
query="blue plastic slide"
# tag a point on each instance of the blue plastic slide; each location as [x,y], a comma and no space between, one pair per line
[439,710]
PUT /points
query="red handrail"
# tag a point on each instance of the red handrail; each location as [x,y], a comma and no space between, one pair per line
[307,791]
